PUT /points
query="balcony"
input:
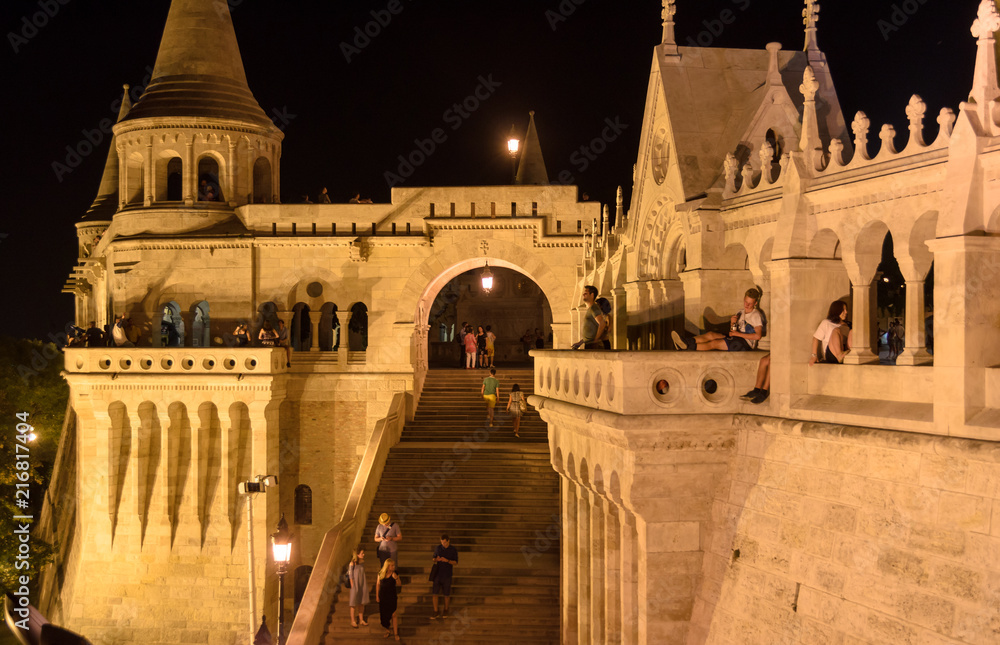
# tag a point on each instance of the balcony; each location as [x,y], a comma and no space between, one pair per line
[138,361]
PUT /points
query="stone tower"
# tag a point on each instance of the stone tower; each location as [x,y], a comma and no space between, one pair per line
[196,144]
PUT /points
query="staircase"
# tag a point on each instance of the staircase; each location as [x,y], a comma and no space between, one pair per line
[498,499]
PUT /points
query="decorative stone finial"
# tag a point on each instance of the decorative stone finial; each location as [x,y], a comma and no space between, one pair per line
[860,128]
[946,121]
[810,16]
[987,22]
[837,152]
[620,210]
[766,161]
[809,85]
[669,10]
[915,112]
[747,174]
[887,134]
[731,166]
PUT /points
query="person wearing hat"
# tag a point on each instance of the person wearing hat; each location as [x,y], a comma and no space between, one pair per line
[387,534]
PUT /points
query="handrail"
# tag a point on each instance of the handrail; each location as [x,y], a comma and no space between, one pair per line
[339,542]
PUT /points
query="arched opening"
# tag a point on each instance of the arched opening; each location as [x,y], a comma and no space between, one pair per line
[261,181]
[301,582]
[890,304]
[201,328]
[169,179]
[329,328]
[357,329]
[301,328]
[303,504]
[515,309]
[266,312]
[135,185]
[209,188]
[171,325]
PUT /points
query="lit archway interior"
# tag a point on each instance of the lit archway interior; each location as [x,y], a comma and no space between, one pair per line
[514,309]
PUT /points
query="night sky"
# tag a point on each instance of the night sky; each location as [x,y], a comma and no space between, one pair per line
[575,62]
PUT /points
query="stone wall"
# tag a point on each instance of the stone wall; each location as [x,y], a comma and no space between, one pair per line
[830,534]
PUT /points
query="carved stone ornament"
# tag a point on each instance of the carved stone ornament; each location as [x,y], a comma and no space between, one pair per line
[987,22]
[809,85]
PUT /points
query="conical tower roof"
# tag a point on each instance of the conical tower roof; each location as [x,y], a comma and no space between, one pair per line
[531,169]
[199,70]
[106,203]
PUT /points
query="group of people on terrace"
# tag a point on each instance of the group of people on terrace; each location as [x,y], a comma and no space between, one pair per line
[831,341]
[323,197]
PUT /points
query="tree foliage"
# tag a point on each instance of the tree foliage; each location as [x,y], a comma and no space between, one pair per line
[30,385]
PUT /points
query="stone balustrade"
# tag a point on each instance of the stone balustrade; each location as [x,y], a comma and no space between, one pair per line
[176,360]
[647,383]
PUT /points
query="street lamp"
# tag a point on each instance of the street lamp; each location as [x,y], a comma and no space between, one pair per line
[487,278]
[282,548]
[513,146]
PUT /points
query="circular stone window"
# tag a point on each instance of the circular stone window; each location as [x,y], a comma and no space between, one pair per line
[314,289]
[667,386]
[716,387]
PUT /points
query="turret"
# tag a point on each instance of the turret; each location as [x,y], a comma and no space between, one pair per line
[197,138]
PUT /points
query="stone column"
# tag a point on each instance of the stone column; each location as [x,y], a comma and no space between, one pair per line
[344,338]
[568,562]
[612,576]
[801,293]
[597,570]
[276,175]
[619,330]
[231,176]
[190,177]
[583,564]
[916,339]
[629,572]
[863,319]
[967,284]
[314,318]
[123,177]
[148,175]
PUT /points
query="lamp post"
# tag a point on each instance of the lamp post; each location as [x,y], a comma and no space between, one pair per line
[513,146]
[487,278]
[282,548]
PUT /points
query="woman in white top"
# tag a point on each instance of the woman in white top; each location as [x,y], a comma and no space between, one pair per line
[746,328]
[833,336]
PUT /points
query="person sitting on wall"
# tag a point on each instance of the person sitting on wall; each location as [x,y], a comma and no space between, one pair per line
[118,333]
[762,387]
[324,197]
[267,336]
[746,328]
[95,337]
[833,338]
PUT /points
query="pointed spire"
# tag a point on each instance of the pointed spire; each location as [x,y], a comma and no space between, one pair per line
[531,169]
[106,203]
[199,70]
[984,84]
[810,16]
[620,210]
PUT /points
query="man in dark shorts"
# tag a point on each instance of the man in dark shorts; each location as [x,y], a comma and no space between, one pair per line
[446,558]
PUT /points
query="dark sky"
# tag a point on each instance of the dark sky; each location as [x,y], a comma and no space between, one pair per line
[575,62]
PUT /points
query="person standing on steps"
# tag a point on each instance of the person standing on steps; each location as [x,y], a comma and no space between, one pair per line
[470,348]
[519,405]
[387,535]
[386,590]
[359,586]
[490,392]
[445,558]
[490,345]
[481,345]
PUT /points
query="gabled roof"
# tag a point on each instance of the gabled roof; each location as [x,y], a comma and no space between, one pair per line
[199,70]
[713,97]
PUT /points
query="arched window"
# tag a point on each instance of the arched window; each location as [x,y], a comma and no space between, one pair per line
[329,328]
[209,188]
[357,337]
[169,179]
[301,328]
[171,326]
[261,181]
[303,504]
